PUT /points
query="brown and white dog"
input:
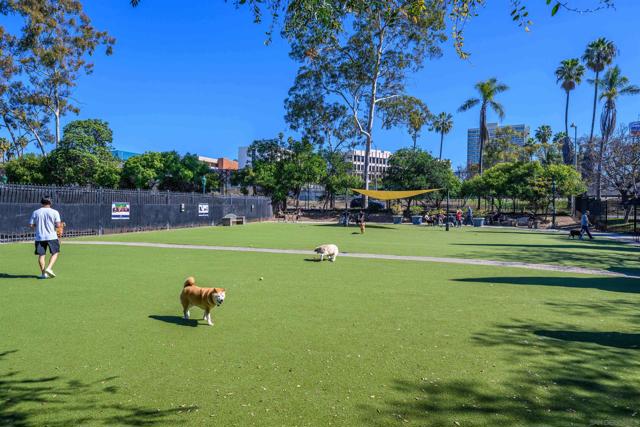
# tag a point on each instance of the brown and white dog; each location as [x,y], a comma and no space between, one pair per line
[331,251]
[205,298]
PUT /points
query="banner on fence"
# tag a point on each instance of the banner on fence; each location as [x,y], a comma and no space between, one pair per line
[120,210]
[634,128]
[203,209]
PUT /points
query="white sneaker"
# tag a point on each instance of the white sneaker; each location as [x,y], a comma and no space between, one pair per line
[50,272]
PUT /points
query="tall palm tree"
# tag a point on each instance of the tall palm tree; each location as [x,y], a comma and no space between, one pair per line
[598,54]
[487,90]
[570,73]
[613,85]
[442,123]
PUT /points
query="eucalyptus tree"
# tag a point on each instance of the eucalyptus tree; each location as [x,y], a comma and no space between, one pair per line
[569,75]
[613,84]
[598,54]
[55,42]
[442,123]
[365,65]
[487,91]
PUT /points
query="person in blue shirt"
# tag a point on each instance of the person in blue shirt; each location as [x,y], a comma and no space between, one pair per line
[584,222]
[46,223]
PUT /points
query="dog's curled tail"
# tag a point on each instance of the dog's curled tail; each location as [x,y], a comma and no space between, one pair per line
[189,282]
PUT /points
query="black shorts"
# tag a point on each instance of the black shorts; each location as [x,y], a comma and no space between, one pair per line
[53,245]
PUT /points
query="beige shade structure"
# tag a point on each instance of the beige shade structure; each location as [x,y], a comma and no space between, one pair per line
[393,195]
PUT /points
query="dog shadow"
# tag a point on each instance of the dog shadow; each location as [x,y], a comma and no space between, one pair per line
[175,320]
[312,259]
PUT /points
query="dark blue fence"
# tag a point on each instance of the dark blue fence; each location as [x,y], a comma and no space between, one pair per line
[88,211]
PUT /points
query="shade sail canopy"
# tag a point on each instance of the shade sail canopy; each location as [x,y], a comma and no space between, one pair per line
[392,195]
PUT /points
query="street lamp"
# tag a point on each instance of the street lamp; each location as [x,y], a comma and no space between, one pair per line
[575,163]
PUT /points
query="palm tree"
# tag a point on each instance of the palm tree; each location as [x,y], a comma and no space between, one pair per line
[442,123]
[613,85]
[488,90]
[543,134]
[597,56]
[570,73]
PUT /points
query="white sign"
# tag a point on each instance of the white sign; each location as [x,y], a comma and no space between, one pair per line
[634,128]
[203,209]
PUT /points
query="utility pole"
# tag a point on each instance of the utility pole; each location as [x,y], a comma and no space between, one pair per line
[575,165]
[553,189]
[447,213]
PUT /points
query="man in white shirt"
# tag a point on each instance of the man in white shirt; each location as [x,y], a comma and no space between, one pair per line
[46,221]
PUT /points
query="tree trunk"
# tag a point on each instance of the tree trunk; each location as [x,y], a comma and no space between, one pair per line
[441,141]
[595,103]
[371,115]
[567,140]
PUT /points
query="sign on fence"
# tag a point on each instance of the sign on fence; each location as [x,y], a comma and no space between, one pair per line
[120,210]
[203,209]
[634,128]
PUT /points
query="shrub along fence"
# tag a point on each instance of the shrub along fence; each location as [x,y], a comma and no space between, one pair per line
[91,211]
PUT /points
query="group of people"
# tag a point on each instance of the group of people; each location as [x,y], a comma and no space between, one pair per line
[454,219]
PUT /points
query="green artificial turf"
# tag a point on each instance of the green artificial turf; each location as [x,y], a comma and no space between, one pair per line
[493,244]
[357,342]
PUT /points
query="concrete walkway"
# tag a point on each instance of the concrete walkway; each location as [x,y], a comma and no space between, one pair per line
[544,267]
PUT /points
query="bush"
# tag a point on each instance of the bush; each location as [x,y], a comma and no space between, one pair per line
[416,210]
[397,209]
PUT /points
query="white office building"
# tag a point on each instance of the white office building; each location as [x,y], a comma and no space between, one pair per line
[378,163]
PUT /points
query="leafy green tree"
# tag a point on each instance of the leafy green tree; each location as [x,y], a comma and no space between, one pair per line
[549,150]
[279,168]
[442,123]
[416,169]
[56,41]
[339,178]
[487,91]
[27,169]
[598,54]
[142,171]
[407,111]
[83,156]
[569,74]
[614,84]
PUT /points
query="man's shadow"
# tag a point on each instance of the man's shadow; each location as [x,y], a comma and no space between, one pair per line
[17,276]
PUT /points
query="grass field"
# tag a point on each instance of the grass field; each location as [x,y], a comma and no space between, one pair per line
[358,342]
[487,243]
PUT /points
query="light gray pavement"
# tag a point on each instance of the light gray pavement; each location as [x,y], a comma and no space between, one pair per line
[544,267]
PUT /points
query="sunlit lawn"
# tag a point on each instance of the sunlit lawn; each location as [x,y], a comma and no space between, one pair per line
[358,342]
[501,244]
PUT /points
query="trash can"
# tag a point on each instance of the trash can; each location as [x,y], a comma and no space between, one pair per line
[416,219]
[478,222]
[397,219]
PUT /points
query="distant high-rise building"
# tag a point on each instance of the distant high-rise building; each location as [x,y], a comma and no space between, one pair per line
[473,139]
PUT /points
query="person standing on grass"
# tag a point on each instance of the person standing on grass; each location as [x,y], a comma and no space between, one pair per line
[46,221]
[584,222]
[458,218]
[361,220]
[469,219]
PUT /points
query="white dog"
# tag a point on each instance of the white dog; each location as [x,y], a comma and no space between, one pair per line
[331,251]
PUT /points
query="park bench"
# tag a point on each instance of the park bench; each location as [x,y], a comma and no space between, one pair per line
[233,219]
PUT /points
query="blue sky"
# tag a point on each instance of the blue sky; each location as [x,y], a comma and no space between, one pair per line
[199,77]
